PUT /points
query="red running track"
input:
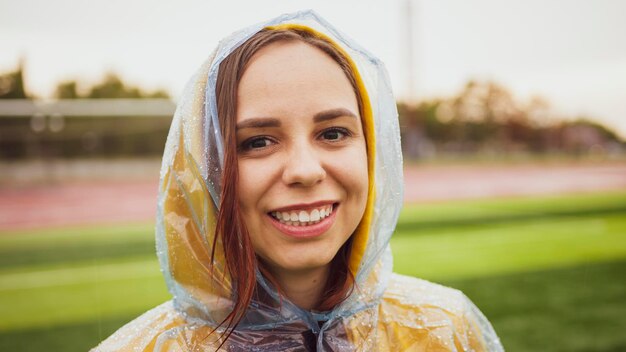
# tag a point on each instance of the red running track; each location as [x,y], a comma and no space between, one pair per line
[129,201]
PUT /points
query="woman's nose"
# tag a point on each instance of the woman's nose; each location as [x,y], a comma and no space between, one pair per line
[303,167]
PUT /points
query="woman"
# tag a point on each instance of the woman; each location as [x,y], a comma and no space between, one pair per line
[280,188]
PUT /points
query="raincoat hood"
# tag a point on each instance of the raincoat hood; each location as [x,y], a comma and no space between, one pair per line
[190,190]
[203,295]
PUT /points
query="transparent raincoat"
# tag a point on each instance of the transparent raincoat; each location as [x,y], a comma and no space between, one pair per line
[386,311]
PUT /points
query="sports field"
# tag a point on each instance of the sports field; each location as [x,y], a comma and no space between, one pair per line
[549,272]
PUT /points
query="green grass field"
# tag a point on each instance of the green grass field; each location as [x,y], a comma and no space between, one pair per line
[548,272]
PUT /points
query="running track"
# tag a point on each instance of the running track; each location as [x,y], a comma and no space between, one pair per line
[100,202]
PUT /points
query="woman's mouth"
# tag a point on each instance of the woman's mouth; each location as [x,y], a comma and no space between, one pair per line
[303,217]
[308,222]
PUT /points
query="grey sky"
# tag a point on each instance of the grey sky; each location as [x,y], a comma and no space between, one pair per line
[571,52]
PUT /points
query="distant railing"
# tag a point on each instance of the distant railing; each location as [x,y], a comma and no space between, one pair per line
[87,107]
[33,129]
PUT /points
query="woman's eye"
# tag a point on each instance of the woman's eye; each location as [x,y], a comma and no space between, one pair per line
[256,143]
[335,134]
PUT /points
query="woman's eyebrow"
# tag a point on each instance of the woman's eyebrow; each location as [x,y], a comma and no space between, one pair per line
[332,114]
[260,122]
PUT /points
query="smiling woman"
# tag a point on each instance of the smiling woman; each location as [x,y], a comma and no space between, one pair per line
[281,186]
[306,159]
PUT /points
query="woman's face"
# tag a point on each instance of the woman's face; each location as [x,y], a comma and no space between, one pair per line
[302,157]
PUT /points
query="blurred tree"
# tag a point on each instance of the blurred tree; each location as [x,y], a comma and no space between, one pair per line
[12,84]
[158,94]
[66,90]
[112,87]
[602,130]
[485,117]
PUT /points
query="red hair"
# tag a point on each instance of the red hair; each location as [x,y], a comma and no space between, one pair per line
[240,256]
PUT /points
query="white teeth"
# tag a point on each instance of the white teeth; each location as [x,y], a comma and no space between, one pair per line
[303,217]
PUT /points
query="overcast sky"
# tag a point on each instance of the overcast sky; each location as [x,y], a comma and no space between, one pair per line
[573,53]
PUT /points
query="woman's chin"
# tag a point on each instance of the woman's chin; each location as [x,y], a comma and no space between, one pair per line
[302,264]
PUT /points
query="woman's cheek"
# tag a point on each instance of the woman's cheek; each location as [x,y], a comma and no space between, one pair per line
[353,164]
